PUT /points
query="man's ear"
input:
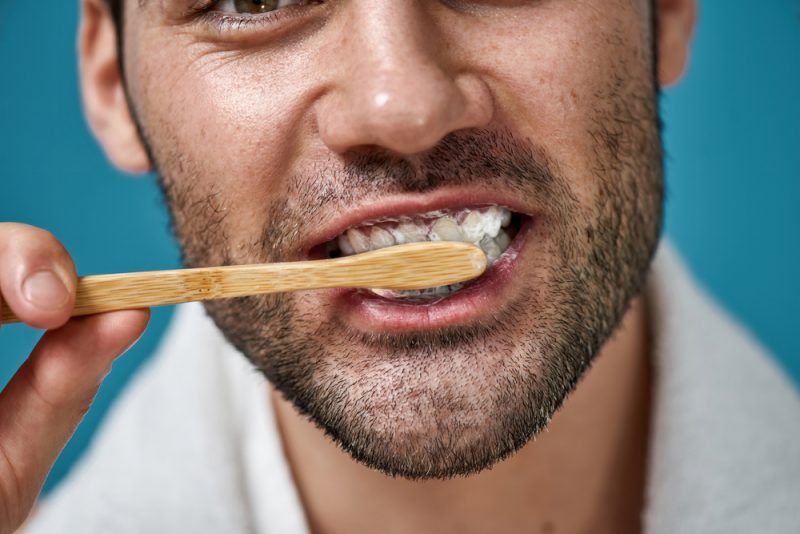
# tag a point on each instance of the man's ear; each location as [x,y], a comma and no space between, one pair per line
[103,90]
[676,21]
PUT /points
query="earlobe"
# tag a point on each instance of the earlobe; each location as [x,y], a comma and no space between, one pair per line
[104,100]
[676,22]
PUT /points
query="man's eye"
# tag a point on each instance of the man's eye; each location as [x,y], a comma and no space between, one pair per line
[253,7]
[231,19]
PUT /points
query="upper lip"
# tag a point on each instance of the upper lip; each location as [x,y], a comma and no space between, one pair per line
[409,205]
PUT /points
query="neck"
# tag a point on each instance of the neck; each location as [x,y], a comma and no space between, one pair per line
[585,473]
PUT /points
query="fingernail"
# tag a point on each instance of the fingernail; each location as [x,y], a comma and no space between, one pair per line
[45,290]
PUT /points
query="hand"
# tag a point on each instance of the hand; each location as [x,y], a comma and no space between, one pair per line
[44,402]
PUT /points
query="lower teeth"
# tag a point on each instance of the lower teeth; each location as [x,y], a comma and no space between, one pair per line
[427,294]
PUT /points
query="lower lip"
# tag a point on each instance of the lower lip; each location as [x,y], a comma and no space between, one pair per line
[369,312]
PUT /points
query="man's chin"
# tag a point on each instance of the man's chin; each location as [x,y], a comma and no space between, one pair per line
[432,435]
[422,456]
[429,408]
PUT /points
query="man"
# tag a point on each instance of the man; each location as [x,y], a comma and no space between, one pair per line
[558,393]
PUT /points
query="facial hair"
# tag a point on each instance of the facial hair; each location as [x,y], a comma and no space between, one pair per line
[457,400]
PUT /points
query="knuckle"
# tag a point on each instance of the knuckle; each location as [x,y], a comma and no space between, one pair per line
[30,249]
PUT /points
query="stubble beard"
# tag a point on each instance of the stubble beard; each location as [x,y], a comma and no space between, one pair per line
[451,402]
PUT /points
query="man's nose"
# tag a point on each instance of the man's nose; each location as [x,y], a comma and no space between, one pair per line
[397,86]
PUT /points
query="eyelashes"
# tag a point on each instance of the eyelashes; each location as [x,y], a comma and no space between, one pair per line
[253,7]
[231,23]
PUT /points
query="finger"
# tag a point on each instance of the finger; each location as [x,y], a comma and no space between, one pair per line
[37,276]
[46,399]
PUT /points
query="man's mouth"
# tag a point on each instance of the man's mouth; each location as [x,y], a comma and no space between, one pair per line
[490,227]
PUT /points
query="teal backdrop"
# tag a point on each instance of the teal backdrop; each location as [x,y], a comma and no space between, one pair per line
[733,161]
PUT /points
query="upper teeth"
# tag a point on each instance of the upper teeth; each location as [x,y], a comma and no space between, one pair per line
[484,227]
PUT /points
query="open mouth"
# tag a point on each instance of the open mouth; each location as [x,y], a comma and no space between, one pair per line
[490,227]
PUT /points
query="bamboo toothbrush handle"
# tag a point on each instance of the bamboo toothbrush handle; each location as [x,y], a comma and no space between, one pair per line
[411,266]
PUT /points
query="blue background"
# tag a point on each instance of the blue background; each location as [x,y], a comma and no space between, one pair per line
[732,137]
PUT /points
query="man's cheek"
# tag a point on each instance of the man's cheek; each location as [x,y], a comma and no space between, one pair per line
[231,106]
[205,142]
[552,89]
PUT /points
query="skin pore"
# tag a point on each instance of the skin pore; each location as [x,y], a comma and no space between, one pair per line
[264,131]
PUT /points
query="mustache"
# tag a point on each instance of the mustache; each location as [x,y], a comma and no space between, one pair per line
[492,158]
[461,158]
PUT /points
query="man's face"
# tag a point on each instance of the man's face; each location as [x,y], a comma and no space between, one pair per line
[278,127]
